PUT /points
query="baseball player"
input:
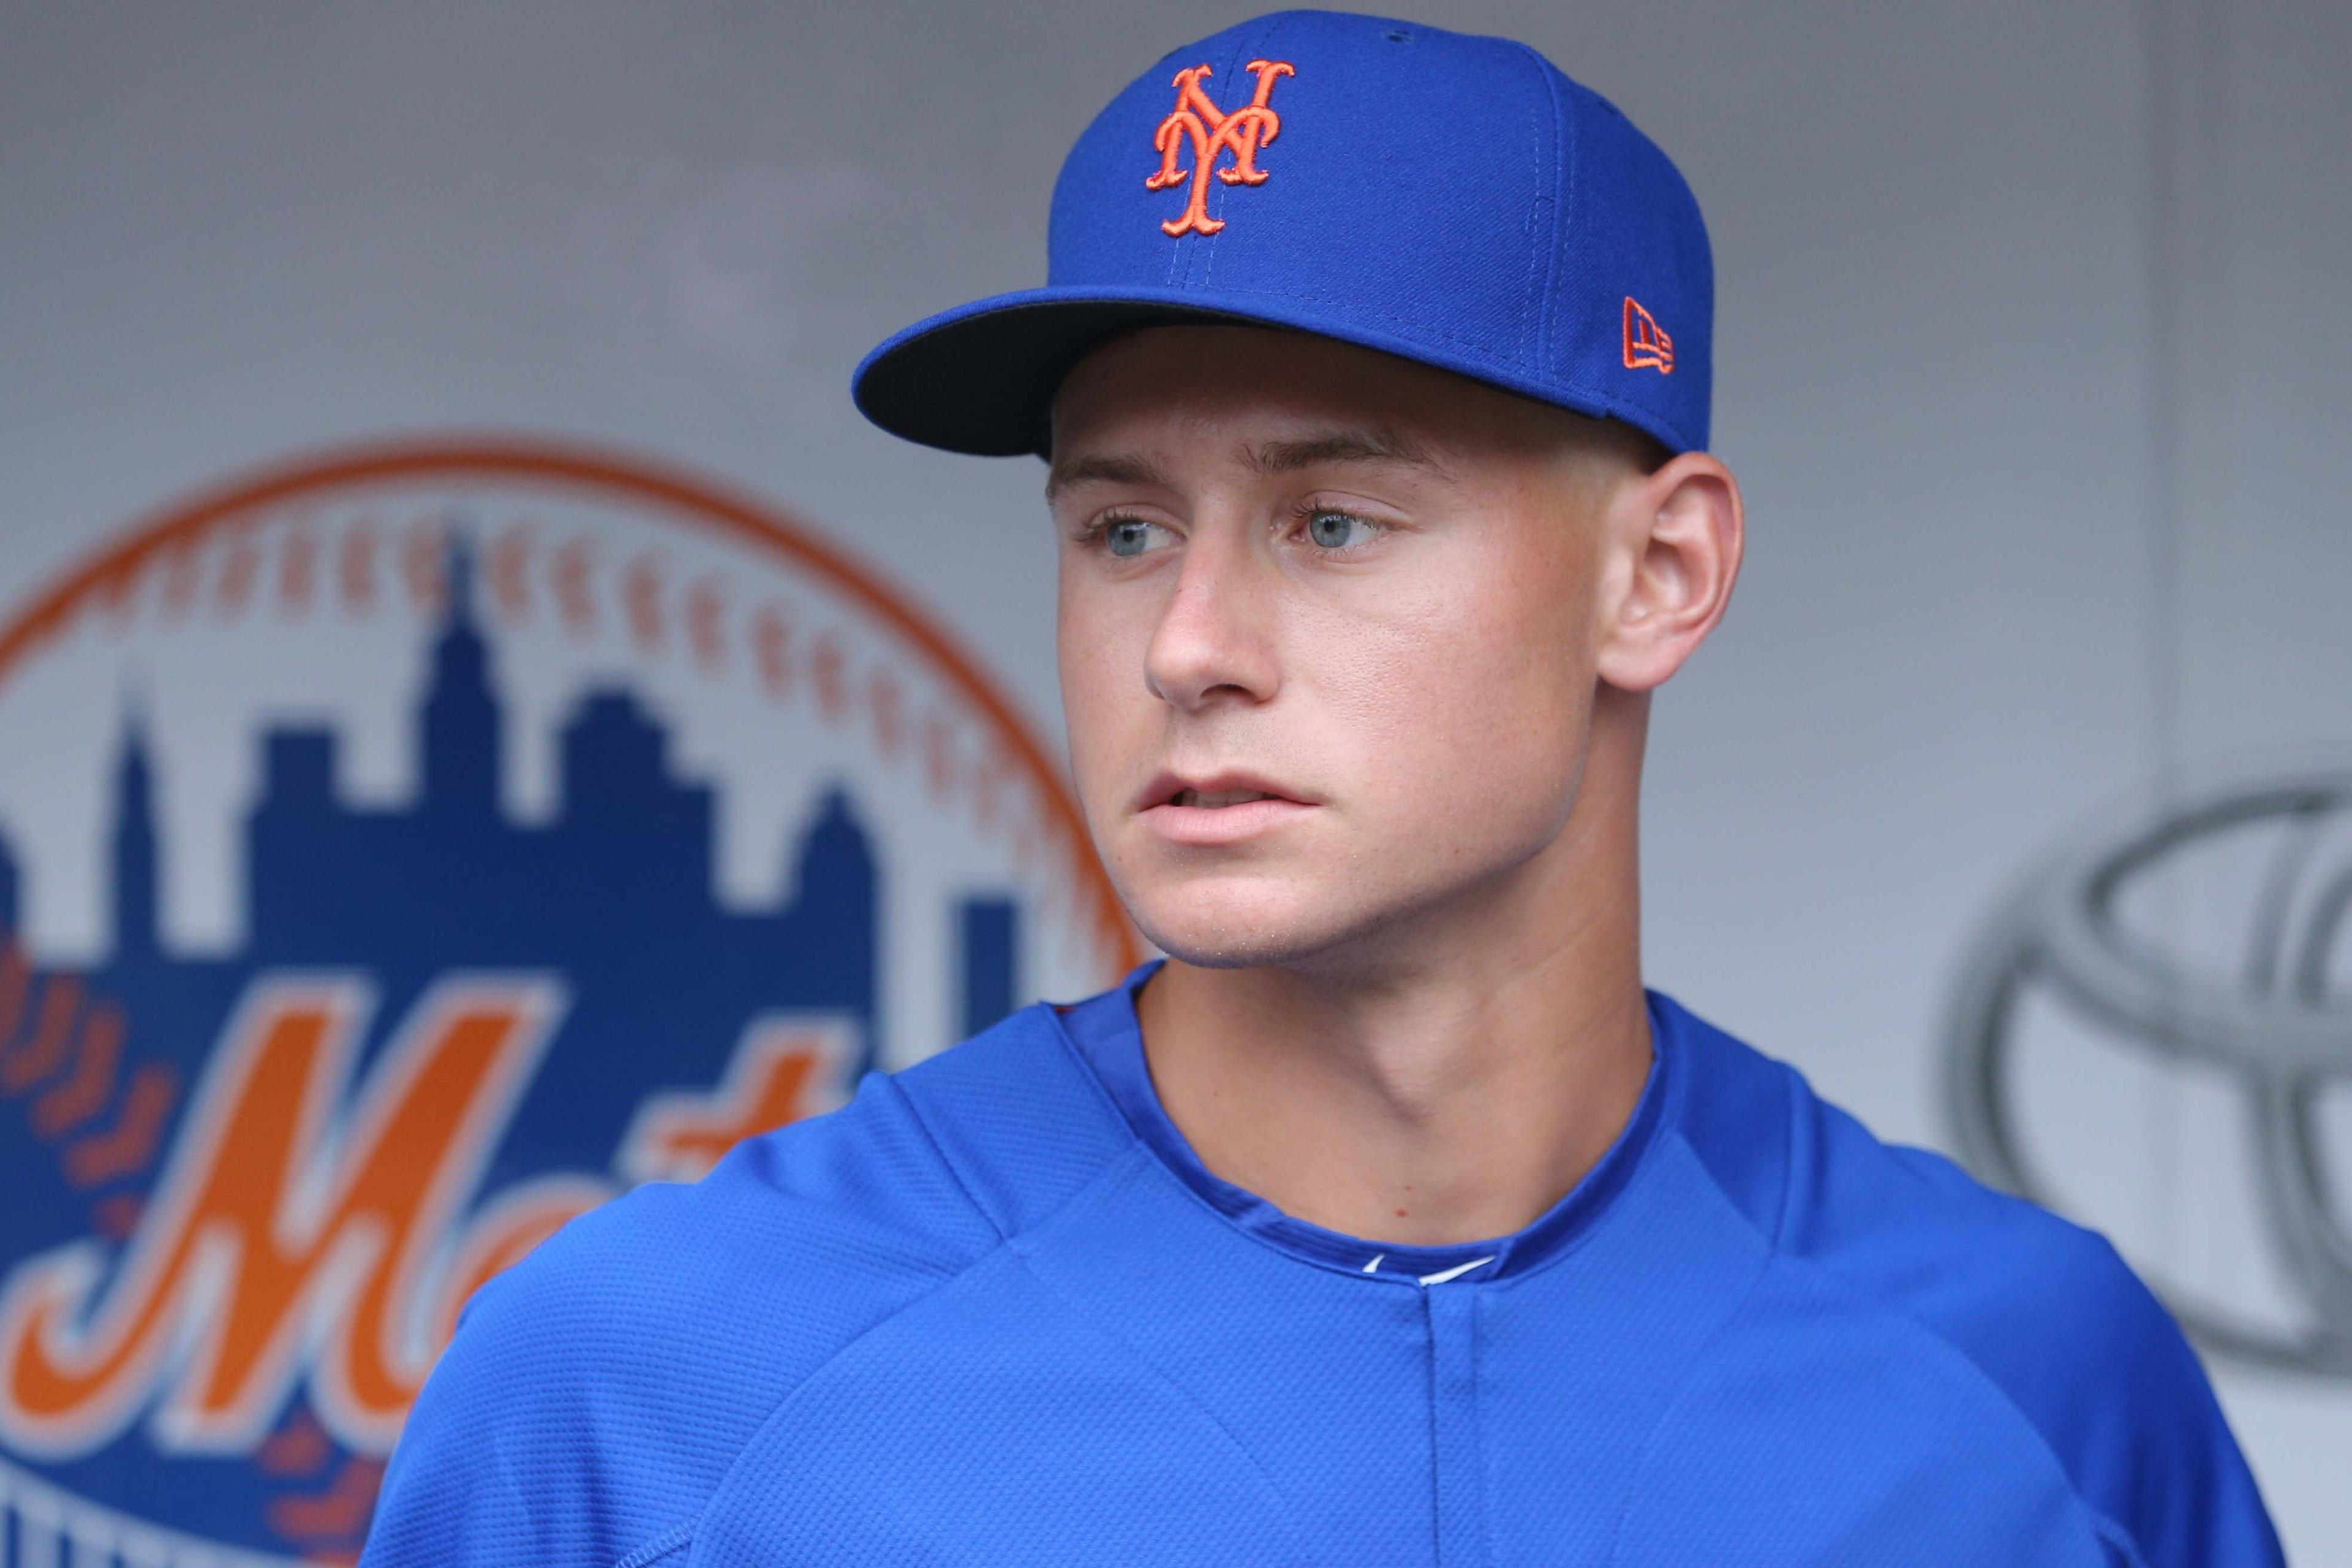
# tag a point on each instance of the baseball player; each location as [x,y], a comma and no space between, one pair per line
[1388,1220]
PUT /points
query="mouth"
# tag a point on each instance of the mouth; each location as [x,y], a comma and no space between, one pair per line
[1222,809]
[1218,792]
[1217,799]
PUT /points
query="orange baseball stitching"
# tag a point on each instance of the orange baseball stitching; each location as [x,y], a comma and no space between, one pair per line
[508,577]
[424,557]
[15,985]
[356,569]
[640,588]
[129,1146]
[38,1057]
[297,567]
[117,1217]
[772,648]
[571,568]
[238,573]
[705,610]
[97,1058]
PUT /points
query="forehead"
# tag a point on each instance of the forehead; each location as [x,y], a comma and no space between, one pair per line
[1244,389]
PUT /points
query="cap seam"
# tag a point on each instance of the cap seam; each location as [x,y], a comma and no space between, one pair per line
[1534,294]
[1202,260]
[1225,192]
[1563,206]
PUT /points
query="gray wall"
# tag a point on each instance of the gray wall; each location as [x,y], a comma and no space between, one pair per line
[2034,351]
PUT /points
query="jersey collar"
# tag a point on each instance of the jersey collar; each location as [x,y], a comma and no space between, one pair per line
[1109,1040]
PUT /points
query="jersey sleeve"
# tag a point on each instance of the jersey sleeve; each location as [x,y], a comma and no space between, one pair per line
[1955,1330]
[2148,1445]
[595,1392]
[502,1451]
[2057,1319]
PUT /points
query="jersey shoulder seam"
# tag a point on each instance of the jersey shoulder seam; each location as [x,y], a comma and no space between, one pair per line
[1792,1086]
[964,1185]
[947,1164]
[1093,1080]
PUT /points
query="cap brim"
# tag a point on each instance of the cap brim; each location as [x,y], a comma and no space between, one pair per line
[982,378]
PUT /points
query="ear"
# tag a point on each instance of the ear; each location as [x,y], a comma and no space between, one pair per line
[1675,539]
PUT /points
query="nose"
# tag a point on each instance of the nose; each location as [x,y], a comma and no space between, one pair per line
[1214,641]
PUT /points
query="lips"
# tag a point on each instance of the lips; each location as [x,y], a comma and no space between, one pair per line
[1211,810]
[1216,798]
[1214,792]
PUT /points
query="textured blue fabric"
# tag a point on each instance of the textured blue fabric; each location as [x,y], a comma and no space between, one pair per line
[995,1311]
[1453,199]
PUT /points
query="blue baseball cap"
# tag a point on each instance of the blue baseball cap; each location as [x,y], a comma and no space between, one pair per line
[1452,199]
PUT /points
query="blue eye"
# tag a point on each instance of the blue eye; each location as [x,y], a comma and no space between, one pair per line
[1128,536]
[1338,529]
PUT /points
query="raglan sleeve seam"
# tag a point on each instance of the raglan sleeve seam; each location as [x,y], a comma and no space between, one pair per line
[684,1534]
[2105,1528]
[947,1161]
[1692,1369]
[681,1535]
[2116,1540]
[2113,1536]
[2110,1534]
[1792,1087]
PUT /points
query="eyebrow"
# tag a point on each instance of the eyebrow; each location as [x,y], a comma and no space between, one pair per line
[1106,467]
[1350,444]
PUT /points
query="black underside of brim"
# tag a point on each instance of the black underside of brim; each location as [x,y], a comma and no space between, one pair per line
[985,384]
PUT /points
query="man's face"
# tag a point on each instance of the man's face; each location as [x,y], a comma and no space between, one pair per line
[1328,626]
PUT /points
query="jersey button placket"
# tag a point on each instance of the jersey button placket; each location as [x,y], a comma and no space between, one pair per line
[1457,1452]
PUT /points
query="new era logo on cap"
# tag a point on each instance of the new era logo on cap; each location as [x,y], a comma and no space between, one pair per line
[1450,199]
[1647,347]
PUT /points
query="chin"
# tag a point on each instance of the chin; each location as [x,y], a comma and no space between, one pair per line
[1245,927]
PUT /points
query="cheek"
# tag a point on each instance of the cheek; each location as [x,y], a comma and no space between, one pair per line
[1103,695]
[1469,704]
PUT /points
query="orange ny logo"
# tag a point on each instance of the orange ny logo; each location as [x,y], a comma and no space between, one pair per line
[1196,120]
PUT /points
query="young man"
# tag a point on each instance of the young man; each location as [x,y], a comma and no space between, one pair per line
[1390,1220]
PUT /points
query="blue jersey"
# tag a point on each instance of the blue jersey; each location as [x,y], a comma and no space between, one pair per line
[995,1312]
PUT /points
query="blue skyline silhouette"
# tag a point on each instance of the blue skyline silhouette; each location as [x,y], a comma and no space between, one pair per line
[616,895]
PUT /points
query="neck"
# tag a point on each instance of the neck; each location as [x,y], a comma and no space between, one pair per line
[1453,1084]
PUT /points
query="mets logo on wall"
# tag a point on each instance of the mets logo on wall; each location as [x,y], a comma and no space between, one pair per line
[400,854]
